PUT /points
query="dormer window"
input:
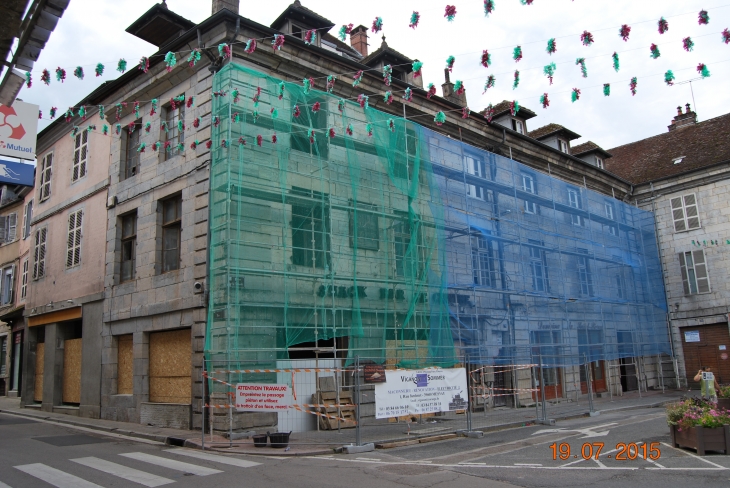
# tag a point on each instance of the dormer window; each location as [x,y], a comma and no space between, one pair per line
[517,126]
[297,31]
[678,160]
[599,162]
[563,146]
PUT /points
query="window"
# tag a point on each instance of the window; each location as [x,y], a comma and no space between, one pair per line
[27,218]
[612,229]
[6,294]
[546,351]
[476,167]
[563,146]
[684,213]
[590,348]
[408,259]
[538,267]
[365,222]
[45,182]
[80,155]
[621,292]
[129,245]
[172,135]
[403,162]
[130,155]
[599,162]
[584,274]
[528,185]
[171,233]
[310,229]
[518,126]
[73,243]
[8,228]
[482,263]
[39,253]
[694,272]
[24,281]
[574,201]
[317,121]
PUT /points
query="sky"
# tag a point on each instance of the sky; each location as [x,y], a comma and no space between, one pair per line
[92,31]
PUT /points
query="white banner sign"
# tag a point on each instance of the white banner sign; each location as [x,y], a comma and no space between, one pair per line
[18,130]
[252,397]
[413,392]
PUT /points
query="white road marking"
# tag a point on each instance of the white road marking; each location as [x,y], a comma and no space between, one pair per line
[171,464]
[527,464]
[3,485]
[695,456]
[55,477]
[241,463]
[129,474]
[587,432]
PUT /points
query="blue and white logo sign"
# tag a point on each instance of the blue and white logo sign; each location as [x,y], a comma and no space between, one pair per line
[16,173]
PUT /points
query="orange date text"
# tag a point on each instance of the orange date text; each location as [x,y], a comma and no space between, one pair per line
[623,451]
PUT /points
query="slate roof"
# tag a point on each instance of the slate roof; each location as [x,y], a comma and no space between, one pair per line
[550,129]
[503,107]
[341,45]
[587,147]
[382,51]
[307,14]
[702,145]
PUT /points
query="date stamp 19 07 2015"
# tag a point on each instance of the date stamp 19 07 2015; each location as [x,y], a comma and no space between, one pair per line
[623,452]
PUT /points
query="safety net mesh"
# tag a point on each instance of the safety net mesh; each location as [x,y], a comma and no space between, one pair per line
[341,231]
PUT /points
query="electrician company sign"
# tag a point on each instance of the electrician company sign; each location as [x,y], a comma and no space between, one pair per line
[18,130]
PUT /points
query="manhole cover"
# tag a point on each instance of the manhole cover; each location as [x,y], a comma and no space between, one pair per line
[70,440]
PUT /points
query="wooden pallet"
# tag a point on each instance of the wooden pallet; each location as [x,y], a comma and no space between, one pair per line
[347,413]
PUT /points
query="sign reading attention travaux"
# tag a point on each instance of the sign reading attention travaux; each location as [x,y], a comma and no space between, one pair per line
[414,392]
[262,397]
[18,130]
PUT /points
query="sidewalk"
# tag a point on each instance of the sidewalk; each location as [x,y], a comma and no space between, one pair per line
[380,433]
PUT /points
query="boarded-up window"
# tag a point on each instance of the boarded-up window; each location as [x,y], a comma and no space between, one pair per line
[694,272]
[170,366]
[40,353]
[685,213]
[125,365]
[72,371]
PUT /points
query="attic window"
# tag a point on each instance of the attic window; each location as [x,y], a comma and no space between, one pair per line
[297,31]
[678,160]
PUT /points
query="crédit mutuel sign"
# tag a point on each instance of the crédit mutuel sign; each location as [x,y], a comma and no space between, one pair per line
[18,130]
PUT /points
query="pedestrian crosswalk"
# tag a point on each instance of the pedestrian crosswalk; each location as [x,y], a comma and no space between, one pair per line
[60,478]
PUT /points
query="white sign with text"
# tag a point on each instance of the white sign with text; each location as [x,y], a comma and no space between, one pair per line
[18,130]
[253,397]
[414,392]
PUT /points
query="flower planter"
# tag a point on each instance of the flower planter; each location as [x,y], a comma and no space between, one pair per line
[702,439]
[723,403]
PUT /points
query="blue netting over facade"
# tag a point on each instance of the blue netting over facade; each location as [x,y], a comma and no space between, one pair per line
[402,246]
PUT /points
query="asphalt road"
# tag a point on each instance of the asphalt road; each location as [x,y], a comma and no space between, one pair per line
[41,454]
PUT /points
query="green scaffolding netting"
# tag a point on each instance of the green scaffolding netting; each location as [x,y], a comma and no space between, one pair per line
[389,242]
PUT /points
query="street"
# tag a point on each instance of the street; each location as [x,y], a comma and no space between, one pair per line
[41,454]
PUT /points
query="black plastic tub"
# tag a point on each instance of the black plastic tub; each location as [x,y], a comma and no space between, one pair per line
[279,439]
[259,440]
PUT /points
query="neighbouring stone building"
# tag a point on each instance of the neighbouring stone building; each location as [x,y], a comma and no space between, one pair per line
[683,176]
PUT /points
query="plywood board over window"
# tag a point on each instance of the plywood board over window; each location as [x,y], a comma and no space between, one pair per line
[125,365]
[72,371]
[170,366]
[40,353]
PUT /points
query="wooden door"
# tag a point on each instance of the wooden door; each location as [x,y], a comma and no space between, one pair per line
[711,350]
[553,383]
[598,377]
[40,353]
[72,371]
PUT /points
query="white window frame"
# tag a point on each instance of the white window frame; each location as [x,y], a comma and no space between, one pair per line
[27,218]
[518,126]
[39,253]
[574,201]
[530,207]
[6,286]
[81,156]
[476,167]
[685,212]
[563,146]
[695,276]
[608,206]
[46,173]
[599,163]
[24,280]
[73,238]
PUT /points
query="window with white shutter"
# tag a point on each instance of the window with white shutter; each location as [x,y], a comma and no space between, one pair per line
[73,247]
[693,266]
[11,228]
[80,155]
[685,213]
[45,181]
[6,297]
[24,281]
[39,253]
[27,217]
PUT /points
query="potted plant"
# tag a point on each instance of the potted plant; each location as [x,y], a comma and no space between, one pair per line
[699,425]
[723,397]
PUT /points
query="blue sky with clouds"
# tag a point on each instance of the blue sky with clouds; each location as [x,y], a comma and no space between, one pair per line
[92,31]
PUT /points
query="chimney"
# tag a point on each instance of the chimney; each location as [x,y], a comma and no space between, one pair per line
[219,5]
[685,119]
[359,39]
[448,91]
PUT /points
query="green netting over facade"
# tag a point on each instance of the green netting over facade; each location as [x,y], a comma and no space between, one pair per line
[399,245]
